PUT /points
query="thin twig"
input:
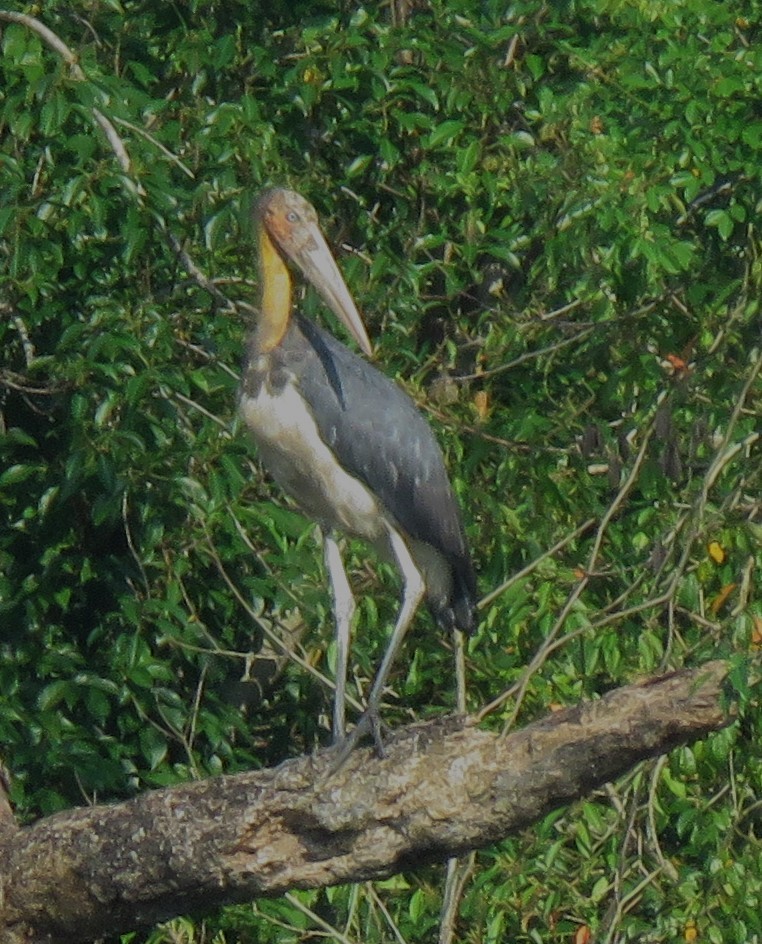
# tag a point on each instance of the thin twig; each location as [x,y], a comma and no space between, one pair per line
[528,356]
[175,395]
[273,637]
[197,275]
[26,343]
[459,871]
[157,144]
[533,565]
[391,923]
[549,644]
[330,930]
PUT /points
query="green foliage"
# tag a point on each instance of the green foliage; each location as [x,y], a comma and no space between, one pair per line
[549,214]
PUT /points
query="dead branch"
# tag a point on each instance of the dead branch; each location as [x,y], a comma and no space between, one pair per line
[443,789]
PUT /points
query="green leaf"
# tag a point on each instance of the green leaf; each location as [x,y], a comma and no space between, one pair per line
[153,746]
[52,695]
[16,473]
[722,220]
[444,134]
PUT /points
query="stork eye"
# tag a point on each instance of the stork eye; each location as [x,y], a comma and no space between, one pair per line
[292,216]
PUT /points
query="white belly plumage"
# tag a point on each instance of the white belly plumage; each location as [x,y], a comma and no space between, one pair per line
[290,445]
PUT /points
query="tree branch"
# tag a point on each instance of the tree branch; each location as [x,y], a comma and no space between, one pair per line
[444,788]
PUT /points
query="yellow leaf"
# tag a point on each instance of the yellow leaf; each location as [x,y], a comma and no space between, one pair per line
[756,633]
[481,403]
[716,552]
[719,601]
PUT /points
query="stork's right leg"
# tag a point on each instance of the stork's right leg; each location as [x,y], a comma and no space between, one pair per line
[412,594]
[343,610]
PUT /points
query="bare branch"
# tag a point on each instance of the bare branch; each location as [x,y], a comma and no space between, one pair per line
[47,36]
[534,564]
[443,789]
[6,814]
[197,275]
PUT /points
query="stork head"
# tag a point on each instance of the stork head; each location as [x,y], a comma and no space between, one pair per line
[291,223]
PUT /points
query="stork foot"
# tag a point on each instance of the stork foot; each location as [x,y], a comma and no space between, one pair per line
[368,723]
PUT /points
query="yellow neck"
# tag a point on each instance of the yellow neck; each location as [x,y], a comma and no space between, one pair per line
[275,302]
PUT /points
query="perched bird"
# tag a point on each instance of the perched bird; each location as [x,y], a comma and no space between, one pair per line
[347,444]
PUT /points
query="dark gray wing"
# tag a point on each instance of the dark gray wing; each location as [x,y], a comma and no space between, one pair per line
[378,436]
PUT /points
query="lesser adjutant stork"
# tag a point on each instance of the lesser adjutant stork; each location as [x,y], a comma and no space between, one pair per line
[347,444]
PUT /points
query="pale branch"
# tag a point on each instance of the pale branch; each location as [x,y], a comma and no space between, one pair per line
[443,789]
[7,823]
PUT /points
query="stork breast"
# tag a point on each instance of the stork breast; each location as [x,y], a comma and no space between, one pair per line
[290,445]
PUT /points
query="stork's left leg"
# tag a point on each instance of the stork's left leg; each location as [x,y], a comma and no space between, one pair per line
[343,610]
[412,594]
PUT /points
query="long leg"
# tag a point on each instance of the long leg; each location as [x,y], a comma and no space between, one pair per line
[459,646]
[343,610]
[412,594]
[458,869]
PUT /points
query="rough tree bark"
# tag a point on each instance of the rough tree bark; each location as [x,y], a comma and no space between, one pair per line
[443,788]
